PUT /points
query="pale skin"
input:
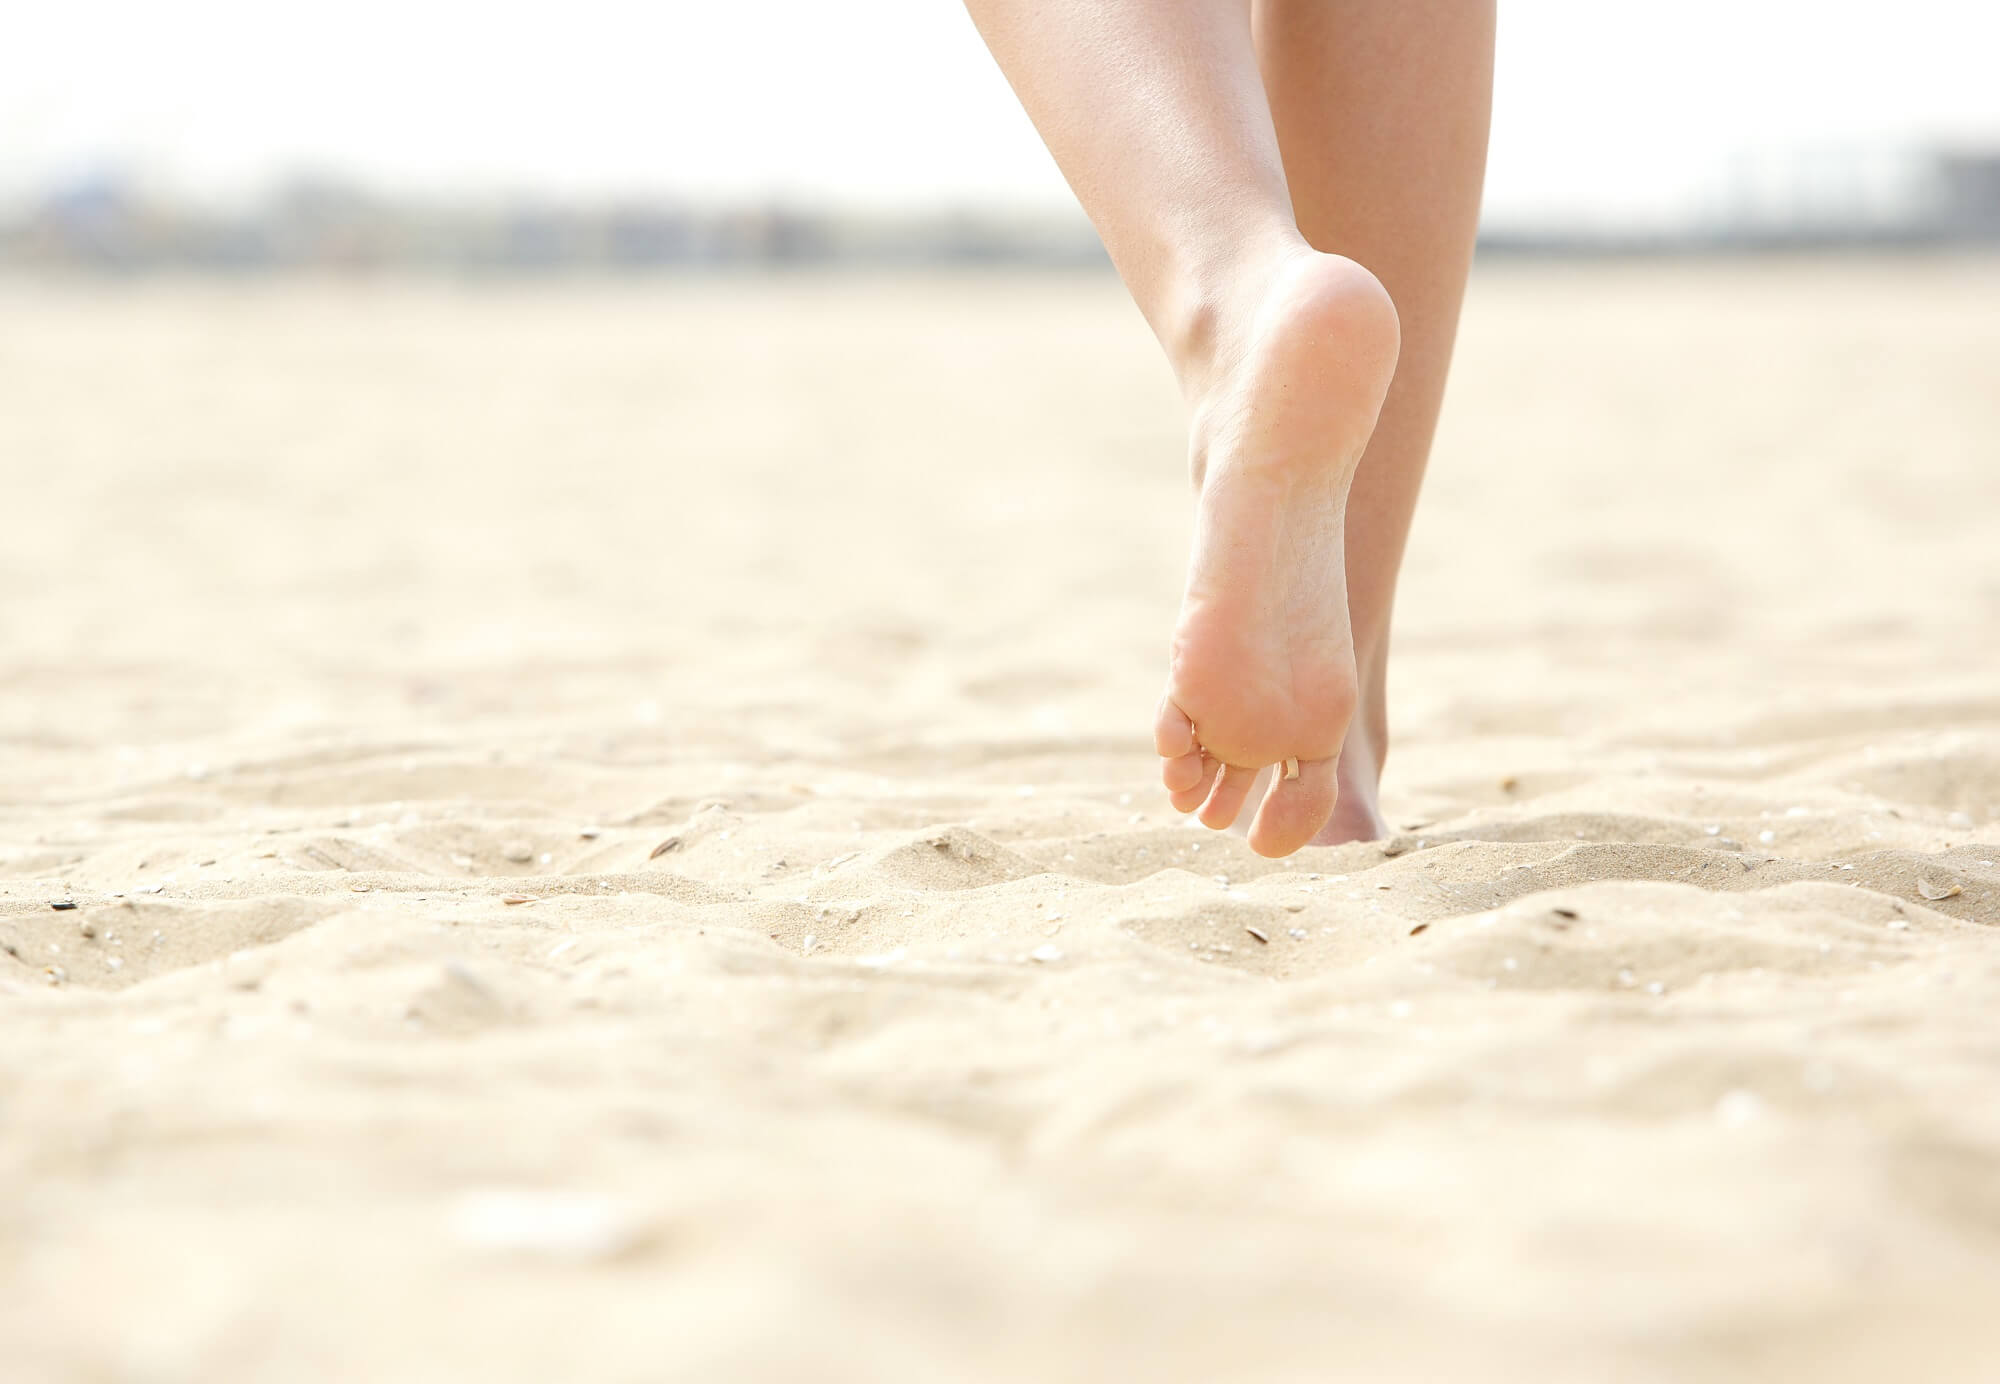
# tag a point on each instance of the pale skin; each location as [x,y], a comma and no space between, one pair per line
[1289,189]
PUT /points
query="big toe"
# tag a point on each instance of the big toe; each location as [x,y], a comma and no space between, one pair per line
[1295,809]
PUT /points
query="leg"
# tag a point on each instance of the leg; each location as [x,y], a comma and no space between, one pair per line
[1381,112]
[1156,111]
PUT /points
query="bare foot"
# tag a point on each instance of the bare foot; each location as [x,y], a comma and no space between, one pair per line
[1262,668]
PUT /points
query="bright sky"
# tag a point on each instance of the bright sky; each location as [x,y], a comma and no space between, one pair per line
[1604,108]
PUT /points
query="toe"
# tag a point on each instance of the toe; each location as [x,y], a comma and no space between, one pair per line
[1295,809]
[1173,732]
[1182,773]
[1188,799]
[1232,786]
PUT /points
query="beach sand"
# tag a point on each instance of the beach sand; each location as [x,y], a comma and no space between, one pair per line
[614,836]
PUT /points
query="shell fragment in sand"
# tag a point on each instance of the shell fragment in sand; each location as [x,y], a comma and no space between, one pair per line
[1935,892]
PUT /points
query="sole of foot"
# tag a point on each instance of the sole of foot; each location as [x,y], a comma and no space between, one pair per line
[1262,661]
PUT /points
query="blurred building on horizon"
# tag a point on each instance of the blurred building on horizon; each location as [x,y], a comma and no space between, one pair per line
[1911,199]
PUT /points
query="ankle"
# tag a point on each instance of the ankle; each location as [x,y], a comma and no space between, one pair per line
[1261,322]
[1205,319]
[1289,289]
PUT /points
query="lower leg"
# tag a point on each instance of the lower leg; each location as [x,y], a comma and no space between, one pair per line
[1381,112]
[1157,116]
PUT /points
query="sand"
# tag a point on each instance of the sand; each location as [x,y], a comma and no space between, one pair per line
[613,838]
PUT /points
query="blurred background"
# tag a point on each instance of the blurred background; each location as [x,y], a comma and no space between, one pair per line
[234,135]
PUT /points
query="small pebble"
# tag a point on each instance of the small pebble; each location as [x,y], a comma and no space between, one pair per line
[62,905]
[1046,953]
